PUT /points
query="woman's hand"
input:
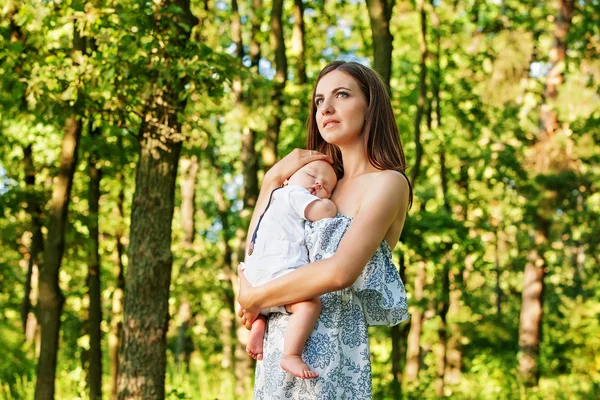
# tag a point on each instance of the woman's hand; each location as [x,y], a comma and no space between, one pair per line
[291,163]
[246,313]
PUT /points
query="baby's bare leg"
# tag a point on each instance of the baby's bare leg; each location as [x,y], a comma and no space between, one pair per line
[302,322]
[257,336]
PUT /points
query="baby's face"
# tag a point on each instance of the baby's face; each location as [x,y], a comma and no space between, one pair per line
[318,177]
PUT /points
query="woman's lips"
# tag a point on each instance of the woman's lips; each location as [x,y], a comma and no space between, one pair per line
[330,124]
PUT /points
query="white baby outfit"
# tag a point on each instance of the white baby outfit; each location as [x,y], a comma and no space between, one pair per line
[280,247]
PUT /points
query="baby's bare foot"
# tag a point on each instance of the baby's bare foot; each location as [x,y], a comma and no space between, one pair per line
[297,367]
[255,342]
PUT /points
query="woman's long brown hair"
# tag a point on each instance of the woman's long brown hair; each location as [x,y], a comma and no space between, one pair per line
[380,132]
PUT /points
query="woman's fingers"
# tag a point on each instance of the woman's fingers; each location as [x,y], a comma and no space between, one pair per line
[314,155]
[291,163]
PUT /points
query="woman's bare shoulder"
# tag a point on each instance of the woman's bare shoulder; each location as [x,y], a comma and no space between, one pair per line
[389,189]
[397,180]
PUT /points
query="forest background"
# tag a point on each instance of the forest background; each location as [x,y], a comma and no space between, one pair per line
[134,136]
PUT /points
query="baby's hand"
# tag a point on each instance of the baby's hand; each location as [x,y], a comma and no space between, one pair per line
[320,209]
[331,208]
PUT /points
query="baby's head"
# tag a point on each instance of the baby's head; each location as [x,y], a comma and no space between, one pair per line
[318,177]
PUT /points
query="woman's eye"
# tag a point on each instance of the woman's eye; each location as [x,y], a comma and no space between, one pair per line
[343,94]
[318,102]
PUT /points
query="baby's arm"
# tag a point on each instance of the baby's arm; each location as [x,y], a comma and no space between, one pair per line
[319,209]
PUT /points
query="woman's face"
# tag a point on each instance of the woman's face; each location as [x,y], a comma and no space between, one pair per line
[341,108]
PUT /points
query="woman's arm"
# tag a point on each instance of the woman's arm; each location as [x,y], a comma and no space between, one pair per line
[275,177]
[384,202]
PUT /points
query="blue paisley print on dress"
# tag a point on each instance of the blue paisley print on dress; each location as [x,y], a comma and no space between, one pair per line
[338,348]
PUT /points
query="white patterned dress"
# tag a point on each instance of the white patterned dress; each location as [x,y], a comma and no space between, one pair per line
[338,348]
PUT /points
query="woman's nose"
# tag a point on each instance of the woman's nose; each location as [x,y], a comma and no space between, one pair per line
[326,108]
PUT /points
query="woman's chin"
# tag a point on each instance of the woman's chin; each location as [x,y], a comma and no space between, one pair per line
[339,138]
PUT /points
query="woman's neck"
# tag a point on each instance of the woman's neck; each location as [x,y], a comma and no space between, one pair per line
[356,162]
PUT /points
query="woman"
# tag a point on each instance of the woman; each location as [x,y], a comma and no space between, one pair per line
[353,126]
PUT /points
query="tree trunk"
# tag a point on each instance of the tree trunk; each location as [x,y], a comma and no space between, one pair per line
[549,118]
[28,319]
[189,173]
[93,279]
[578,252]
[499,249]
[422,93]
[236,353]
[255,21]
[413,351]
[531,312]
[184,345]
[532,302]
[398,335]
[146,314]
[116,322]
[298,46]
[442,334]
[51,299]
[146,307]
[269,153]
[380,13]
[236,37]
[229,275]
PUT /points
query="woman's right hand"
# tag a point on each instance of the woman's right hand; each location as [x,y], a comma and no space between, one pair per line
[291,163]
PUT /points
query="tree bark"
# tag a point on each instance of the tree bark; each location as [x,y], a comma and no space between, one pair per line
[51,298]
[442,333]
[530,334]
[298,43]
[269,153]
[236,37]
[578,252]
[422,93]
[116,323]
[549,118]
[146,312]
[255,21]
[243,363]
[530,325]
[236,352]
[499,249]
[189,173]
[146,315]
[184,345]
[28,319]
[93,279]
[413,352]
[230,276]
[380,13]
[399,335]
[235,345]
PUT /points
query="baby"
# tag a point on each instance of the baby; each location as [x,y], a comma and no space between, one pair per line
[279,248]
